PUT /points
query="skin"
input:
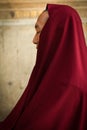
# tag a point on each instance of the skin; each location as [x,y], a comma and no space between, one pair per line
[41,21]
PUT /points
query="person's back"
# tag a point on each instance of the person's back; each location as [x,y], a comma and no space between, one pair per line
[56,95]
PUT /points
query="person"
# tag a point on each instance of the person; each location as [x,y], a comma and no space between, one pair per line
[41,21]
[56,95]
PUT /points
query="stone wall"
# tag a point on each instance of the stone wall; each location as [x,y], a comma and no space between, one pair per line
[17,58]
[17,53]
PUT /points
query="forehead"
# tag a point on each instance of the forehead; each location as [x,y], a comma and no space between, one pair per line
[42,19]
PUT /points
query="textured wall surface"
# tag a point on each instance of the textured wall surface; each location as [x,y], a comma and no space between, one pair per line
[17,53]
[17,58]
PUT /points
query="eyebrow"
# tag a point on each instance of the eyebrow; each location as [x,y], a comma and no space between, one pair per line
[36,26]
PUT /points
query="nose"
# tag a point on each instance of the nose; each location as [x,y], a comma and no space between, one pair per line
[36,39]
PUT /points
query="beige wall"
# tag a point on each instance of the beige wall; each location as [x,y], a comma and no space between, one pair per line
[17,58]
[17,53]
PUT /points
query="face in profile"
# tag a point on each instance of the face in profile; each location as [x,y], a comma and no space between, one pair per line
[41,21]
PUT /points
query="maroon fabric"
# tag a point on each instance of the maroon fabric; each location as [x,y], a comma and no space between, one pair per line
[56,95]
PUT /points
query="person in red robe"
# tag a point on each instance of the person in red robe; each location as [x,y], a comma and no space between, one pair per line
[56,95]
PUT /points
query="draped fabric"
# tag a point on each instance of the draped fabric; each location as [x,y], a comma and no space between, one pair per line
[56,95]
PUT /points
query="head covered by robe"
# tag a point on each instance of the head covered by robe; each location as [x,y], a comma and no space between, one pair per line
[56,95]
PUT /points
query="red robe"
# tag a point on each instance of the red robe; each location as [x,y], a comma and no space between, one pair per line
[56,95]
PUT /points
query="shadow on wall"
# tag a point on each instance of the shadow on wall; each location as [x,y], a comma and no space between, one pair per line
[16,49]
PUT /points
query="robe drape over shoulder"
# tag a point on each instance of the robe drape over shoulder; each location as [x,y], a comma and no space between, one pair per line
[56,95]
